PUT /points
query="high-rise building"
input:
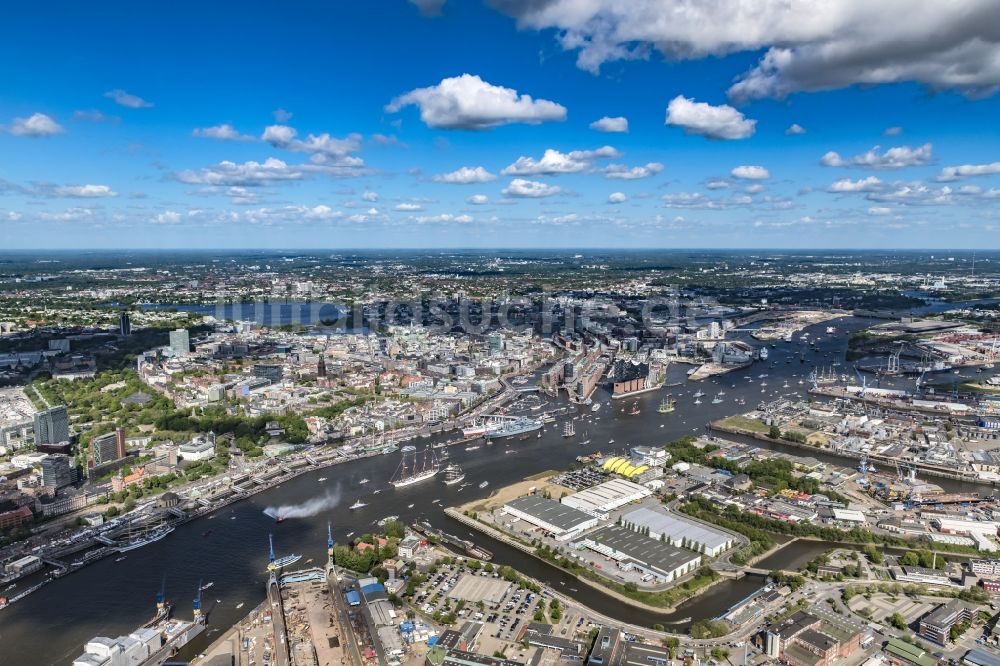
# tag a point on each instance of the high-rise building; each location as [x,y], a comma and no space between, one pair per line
[180,341]
[52,425]
[124,324]
[56,471]
[108,448]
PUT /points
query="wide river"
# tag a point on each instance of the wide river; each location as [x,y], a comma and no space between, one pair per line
[230,549]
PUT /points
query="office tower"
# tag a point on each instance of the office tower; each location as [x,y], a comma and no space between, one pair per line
[52,425]
[108,448]
[124,324]
[56,471]
[180,341]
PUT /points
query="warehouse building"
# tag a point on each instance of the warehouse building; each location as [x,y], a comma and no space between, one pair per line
[605,497]
[561,521]
[678,531]
[636,552]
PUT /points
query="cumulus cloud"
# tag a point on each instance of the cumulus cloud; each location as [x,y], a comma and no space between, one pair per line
[795,128]
[467,102]
[893,158]
[617,197]
[808,45]
[521,188]
[879,210]
[478,199]
[714,122]
[35,125]
[554,162]
[408,207]
[465,176]
[323,148]
[444,217]
[623,172]
[610,124]
[223,132]
[868,184]
[167,217]
[369,196]
[717,184]
[967,171]
[84,191]
[247,174]
[122,98]
[750,172]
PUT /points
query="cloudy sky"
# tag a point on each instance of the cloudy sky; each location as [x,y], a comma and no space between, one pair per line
[509,123]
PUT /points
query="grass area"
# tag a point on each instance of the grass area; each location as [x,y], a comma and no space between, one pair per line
[744,423]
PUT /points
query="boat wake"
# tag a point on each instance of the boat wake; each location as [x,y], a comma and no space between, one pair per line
[306,509]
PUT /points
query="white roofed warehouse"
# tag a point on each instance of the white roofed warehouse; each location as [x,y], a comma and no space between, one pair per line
[680,531]
[604,498]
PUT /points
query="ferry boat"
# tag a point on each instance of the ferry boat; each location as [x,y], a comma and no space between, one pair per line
[357,505]
[667,405]
[453,474]
[146,539]
[283,562]
[516,427]
[411,470]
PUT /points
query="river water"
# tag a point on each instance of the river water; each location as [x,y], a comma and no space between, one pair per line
[230,548]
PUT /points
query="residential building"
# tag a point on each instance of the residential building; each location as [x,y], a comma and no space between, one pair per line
[180,341]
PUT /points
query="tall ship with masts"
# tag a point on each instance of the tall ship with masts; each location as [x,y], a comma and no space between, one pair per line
[667,405]
[414,467]
[453,474]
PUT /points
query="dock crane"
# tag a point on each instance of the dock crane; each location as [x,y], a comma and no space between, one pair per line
[196,605]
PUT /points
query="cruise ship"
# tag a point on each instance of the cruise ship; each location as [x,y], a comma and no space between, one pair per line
[516,427]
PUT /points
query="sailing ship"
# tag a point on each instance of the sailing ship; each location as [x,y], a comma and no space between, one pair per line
[569,429]
[414,468]
[453,474]
[667,405]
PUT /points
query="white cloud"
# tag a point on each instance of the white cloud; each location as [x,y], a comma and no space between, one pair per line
[807,44]
[893,158]
[85,191]
[369,196]
[281,115]
[795,128]
[879,210]
[714,122]
[68,215]
[320,212]
[522,188]
[95,116]
[408,207]
[167,217]
[554,162]
[223,132]
[248,174]
[465,176]
[755,188]
[123,98]
[717,184]
[622,172]
[967,171]
[478,199]
[750,172]
[893,131]
[429,7]
[324,148]
[617,197]
[868,184]
[37,124]
[610,124]
[444,217]
[467,102]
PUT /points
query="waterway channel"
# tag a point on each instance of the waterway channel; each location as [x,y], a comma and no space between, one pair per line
[230,549]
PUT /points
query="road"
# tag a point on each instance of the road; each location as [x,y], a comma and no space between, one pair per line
[281,653]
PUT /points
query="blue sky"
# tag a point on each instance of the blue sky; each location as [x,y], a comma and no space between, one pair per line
[335,125]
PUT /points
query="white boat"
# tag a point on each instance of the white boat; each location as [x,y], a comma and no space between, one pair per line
[146,539]
[363,481]
[321,479]
[484,484]
[239,605]
[697,402]
[698,393]
[595,406]
[453,474]
[208,585]
[414,468]
[357,505]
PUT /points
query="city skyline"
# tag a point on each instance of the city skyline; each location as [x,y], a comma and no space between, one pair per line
[502,125]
